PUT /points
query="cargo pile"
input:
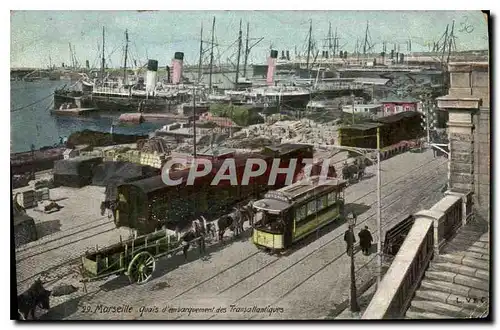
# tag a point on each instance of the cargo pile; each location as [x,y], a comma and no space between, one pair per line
[75,172]
[298,131]
[26,199]
[97,139]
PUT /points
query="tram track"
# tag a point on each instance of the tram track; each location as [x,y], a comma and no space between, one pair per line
[21,257]
[430,178]
[73,261]
[324,246]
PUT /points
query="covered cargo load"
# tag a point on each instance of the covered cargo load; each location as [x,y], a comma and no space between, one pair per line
[75,172]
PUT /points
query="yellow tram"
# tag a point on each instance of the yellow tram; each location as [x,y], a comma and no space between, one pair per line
[289,214]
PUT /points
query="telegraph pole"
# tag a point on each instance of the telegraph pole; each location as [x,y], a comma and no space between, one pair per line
[194,122]
[379,212]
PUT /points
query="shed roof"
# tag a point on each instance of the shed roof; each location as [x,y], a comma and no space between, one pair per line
[399,116]
[372,81]
[362,126]
[402,100]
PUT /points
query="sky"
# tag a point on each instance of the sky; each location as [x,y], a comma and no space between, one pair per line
[42,37]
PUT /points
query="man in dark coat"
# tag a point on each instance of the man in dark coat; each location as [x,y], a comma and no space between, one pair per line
[365,240]
[349,239]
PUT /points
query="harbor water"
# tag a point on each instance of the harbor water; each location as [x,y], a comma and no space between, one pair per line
[32,123]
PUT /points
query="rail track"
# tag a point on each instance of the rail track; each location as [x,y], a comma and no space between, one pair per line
[74,261]
[423,183]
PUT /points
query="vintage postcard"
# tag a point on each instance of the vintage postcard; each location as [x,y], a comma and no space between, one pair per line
[250,165]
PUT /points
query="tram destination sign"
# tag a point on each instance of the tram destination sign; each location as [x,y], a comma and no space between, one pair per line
[277,195]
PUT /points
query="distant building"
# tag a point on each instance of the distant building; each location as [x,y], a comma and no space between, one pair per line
[393,106]
[365,109]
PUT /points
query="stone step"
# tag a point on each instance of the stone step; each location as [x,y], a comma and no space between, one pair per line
[462,260]
[460,269]
[469,281]
[464,240]
[457,289]
[475,255]
[415,315]
[472,231]
[451,299]
[475,249]
[441,308]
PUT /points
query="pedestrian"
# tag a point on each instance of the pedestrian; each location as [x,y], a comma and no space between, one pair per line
[434,151]
[365,240]
[349,239]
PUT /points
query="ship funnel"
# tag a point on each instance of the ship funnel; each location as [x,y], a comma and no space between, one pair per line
[168,74]
[177,63]
[288,55]
[151,76]
[271,67]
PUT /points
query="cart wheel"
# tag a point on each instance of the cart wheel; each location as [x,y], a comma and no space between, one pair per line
[141,268]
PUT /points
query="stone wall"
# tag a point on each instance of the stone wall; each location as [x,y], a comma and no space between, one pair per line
[468,105]
[482,158]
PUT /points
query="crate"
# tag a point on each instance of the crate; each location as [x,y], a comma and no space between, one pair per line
[27,199]
[42,194]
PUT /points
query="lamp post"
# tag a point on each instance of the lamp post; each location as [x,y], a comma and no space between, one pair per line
[351,220]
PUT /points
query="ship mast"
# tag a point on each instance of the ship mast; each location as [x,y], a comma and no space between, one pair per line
[309,45]
[201,53]
[71,57]
[366,39]
[246,52]
[238,57]
[125,61]
[103,60]
[211,57]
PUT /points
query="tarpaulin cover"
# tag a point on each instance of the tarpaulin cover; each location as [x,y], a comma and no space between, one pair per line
[112,174]
[79,166]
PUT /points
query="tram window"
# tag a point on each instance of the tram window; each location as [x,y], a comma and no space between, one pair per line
[300,213]
[311,207]
[321,203]
[332,197]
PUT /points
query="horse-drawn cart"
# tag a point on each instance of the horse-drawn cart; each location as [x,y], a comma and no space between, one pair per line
[135,257]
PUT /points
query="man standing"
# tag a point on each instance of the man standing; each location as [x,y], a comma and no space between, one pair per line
[349,239]
[365,240]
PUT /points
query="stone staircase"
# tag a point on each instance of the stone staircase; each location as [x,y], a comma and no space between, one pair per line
[456,284]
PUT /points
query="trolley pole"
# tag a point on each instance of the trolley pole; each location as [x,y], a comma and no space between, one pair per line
[194,123]
[379,225]
[427,125]
[354,307]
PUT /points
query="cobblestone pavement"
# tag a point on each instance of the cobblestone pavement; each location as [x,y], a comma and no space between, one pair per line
[307,283]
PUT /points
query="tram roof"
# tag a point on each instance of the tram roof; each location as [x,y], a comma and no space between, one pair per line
[286,148]
[298,189]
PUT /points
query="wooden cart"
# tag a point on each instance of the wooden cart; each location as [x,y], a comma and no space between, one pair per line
[135,258]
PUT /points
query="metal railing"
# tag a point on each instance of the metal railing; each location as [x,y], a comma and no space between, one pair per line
[397,288]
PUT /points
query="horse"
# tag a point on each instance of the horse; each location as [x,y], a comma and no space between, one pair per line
[361,168]
[248,211]
[111,206]
[233,221]
[187,235]
[35,296]
[350,171]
